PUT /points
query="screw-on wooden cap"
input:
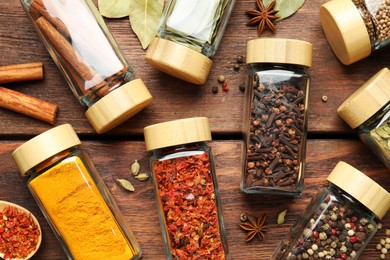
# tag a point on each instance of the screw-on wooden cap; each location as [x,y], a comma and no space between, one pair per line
[361,187]
[276,50]
[367,100]
[44,146]
[118,106]
[345,30]
[178,61]
[177,132]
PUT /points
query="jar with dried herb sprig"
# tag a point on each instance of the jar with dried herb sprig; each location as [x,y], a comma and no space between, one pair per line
[188,35]
[340,220]
[355,28]
[275,116]
[368,111]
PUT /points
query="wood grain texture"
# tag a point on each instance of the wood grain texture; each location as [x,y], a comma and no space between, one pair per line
[139,208]
[174,98]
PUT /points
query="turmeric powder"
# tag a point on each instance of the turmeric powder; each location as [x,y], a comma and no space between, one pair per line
[78,211]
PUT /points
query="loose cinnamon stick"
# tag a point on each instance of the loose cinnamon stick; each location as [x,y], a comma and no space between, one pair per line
[21,72]
[27,105]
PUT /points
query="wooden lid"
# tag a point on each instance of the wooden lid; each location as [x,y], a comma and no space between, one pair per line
[367,100]
[345,30]
[118,106]
[178,61]
[177,132]
[361,187]
[277,50]
[44,146]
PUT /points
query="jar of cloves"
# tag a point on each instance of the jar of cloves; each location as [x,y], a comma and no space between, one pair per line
[356,28]
[89,58]
[74,198]
[275,116]
[186,187]
[368,111]
[339,221]
[188,35]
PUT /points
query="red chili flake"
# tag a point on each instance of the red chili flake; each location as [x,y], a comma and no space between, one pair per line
[186,192]
[18,233]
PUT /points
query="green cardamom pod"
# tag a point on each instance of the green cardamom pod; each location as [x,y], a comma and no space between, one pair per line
[135,168]
[142,177]
[281,217]
[126,184]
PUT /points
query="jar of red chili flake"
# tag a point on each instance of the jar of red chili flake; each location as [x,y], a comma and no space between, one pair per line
[187,194]
[340,221]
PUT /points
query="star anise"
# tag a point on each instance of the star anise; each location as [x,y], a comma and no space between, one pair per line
[263,16]
[255,226]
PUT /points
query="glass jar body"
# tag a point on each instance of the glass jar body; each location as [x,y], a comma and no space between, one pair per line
[199,26]
[376,17]
[375,133]
[78,40]
[188,202]
[334,224]
[76,203]
[275,129]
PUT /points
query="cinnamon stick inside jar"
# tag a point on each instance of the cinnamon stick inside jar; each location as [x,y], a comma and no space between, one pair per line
[27,105]
[74,33]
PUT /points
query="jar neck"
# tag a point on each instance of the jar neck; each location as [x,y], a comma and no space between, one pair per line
[348,199]
[279,66]
[381,116]
[179,148]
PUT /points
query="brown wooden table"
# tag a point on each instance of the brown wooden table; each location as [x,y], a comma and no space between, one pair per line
[330,139]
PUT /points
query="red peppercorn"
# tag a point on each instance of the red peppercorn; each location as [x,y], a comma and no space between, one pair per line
[354,219]
[334,232]
[225,88]
[315,234]
[353,239]
[344,256]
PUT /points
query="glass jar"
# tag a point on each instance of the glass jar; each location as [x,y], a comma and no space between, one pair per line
[339,221]
[186,188]
[78,40]
[368,111]
[73,197]
[189,33]
[275,116]
[355,28]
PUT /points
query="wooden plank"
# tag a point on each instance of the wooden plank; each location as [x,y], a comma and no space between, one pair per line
[112,160]
[19,43]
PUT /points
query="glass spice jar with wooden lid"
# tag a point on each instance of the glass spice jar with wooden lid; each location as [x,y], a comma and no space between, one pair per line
[368,111]
[340,220]
[89,58]
[275,116]
[186,188]
[189,34]
[356,28]
[74,198]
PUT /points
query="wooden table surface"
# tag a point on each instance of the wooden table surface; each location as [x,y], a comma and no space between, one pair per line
[330,139]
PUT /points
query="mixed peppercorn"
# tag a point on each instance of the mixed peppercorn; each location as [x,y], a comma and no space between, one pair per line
[19,234]
[187,195]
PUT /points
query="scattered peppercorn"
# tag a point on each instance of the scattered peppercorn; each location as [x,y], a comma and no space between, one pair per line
[243,217]
[221,78]
[240,59]
[214,89]
[242,87]
[236,67]
[225,88]
[324,98]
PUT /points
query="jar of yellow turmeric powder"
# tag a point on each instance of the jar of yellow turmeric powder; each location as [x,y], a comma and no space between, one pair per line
[74,198]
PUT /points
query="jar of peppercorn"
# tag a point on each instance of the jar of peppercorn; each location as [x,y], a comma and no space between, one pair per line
[275,116]
[355,28]
[186,187]
[368,111]
[340,221]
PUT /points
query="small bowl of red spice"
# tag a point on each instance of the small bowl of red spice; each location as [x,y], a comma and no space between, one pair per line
[20,233]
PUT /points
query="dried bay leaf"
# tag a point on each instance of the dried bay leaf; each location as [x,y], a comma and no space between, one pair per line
[126,184]
[286,8]
[144,19]
[114,8]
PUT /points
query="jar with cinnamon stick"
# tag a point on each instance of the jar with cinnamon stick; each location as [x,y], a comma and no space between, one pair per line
[90,60]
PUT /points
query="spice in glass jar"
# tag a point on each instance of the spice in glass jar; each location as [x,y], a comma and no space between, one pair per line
[86,53]
[368,111]
[355,28]
[189,34]
[340,221]
[275,116]
[186,188]
[74,198]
